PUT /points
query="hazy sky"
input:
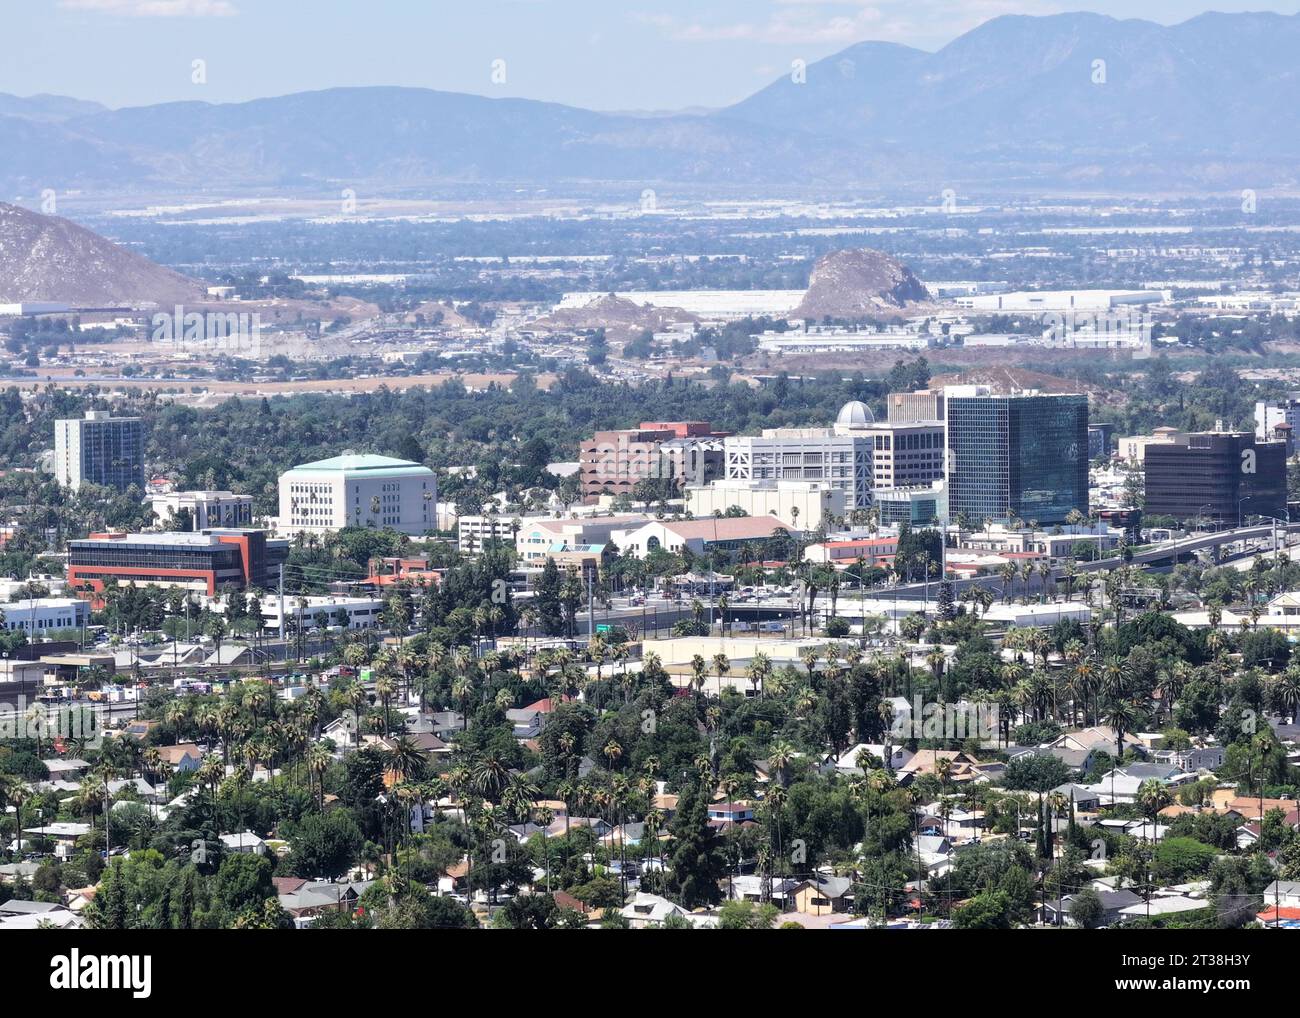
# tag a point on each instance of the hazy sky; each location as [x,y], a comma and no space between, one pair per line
[603,54]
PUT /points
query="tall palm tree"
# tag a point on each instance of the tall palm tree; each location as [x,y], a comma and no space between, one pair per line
[317,760]
[1007,573]
[385,689]
[759,672]
[722,667]
[699,673]
[779,757]
[14,793]
[1287,691]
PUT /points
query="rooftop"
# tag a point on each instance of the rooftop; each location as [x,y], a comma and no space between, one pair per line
[351,463]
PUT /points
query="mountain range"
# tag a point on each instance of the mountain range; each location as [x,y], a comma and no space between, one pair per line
[1070,101]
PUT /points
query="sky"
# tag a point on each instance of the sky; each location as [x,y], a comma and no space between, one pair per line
[599,54]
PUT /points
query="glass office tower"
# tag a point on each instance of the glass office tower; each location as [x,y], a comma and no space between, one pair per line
[1022,456]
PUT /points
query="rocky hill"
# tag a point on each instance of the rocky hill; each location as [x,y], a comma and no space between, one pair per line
[619,317]
[859,283]
[45,258]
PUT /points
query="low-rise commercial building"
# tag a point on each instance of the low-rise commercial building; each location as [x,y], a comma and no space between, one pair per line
[540,539]
[203,509]
[763,536]
[324,612]
[872,551]
[206,562]
[802,504]
[45,614]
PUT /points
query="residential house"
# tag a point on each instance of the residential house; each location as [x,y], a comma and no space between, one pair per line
[822,894]
[527,721]
[1285,893]
[1194,758]
[847,763]
[244,841]
[1085,800]
[648,910]
[1121,784]
[308,899]
[960,767]
[1113,903]
[182,757]
[749,887]
[724,813]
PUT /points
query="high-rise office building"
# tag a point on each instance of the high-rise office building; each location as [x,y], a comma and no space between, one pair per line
[1219,477]
[1019,456]
[99,449]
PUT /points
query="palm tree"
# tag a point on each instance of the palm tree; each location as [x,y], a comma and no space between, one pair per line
[886,711]
[317,760]
[1007,572]
[1287,691]
[759,672]
[385,689]
[1152,797]
[779,757]
[406,759]
[462,691]
[14,793]
[1121,715]
[722,667]
[489,776]
[699,673]
[104,773]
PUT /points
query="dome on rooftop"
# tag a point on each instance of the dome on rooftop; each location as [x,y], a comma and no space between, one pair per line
[855,414]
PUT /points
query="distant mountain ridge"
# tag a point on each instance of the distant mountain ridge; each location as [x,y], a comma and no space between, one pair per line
[1078,101]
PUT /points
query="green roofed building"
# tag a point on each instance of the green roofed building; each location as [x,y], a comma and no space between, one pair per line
[358,491]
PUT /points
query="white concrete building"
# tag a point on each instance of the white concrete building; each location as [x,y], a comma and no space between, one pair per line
[855,455]
[750,534]
[812,501]
[1060,300]
[539,539]
[45,614]
[362,612]
[9,586]
[207,509]
[358,491]
[473,532]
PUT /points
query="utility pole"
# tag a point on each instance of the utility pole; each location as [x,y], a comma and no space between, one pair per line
[282,604]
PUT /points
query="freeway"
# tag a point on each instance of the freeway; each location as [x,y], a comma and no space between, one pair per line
[1160,555]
